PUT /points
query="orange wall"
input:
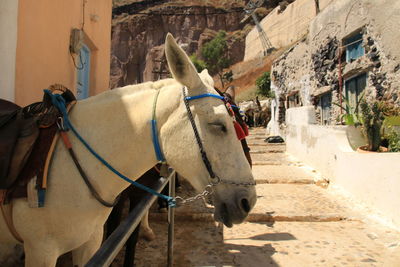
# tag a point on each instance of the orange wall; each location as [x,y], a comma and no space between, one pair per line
[43,56]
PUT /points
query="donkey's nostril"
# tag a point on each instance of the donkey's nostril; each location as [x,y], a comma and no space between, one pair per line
[245,205]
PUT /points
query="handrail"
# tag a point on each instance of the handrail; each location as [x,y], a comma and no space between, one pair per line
[171,221]
[114,243]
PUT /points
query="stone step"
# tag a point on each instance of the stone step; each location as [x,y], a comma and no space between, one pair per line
[257,129]
[260,142]
[271,159]
[257,134]
[276,202]
[255,137]
[281,157]
[266,149]
[199,243]
[263,163]
[283,174]
[291,202]
[253,217]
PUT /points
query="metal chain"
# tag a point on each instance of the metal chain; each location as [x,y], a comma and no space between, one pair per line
[207,191]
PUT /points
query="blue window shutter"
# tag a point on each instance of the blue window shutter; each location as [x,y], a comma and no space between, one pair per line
[354,48]
[354,88]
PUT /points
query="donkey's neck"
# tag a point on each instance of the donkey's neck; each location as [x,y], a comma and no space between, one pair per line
[117,125]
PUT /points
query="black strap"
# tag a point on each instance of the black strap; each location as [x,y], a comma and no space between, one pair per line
[196,133]
[87,182]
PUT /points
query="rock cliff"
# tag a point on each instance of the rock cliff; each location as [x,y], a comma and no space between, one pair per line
[138,37]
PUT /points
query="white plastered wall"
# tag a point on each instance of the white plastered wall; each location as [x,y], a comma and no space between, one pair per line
[8,47]
[370,178]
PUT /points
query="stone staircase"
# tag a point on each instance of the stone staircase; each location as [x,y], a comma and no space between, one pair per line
[294,223]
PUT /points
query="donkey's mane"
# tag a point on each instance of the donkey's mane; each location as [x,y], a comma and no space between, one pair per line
[132,89]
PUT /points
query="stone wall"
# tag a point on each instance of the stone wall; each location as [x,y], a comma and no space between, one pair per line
[313,65]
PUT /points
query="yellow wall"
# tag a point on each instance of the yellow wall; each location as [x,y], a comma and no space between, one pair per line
[43,56]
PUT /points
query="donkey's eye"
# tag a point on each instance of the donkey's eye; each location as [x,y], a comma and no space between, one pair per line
[218,126]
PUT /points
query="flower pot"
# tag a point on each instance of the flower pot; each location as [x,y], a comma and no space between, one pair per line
[355,136]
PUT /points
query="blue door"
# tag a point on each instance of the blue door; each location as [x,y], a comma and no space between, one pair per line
[83,75]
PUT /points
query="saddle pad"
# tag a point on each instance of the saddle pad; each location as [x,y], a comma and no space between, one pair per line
[33,175]
[37,164]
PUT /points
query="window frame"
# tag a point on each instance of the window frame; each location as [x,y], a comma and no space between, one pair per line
[353,44]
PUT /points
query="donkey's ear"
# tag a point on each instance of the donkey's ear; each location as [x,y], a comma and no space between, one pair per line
[206,78]
[181,66]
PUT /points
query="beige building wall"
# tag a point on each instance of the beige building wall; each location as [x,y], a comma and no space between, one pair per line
[8,47]
[283,29]
[43,57]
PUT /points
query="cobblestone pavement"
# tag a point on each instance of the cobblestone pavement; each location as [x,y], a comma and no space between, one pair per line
[294,223]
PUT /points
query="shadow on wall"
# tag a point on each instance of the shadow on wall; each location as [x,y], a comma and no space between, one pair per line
[307,138]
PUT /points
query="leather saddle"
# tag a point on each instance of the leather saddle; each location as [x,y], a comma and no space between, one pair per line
[19,131]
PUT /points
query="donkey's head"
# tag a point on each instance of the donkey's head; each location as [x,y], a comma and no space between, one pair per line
[234,192]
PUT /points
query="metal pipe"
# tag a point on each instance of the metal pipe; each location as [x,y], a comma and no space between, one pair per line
[111,247]
[340,78]
[171,221]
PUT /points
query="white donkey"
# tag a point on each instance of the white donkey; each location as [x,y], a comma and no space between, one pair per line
[116,124]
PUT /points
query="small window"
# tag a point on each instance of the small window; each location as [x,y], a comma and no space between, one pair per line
[354,88]
[354,47]
[325,102]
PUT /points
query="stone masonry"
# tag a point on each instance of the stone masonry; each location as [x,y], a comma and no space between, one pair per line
[315,64]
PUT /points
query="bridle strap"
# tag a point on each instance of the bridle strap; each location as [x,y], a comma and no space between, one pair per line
[188,98]
[204,157]
[196,132]
[154,132]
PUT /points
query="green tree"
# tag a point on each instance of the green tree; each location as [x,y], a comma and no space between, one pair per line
[215,54]
[263,84]
[198,63]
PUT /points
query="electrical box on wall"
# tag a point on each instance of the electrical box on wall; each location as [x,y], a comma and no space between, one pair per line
[76,40]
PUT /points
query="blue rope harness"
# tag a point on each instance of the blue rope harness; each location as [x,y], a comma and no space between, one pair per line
[154,132]
[188,98]
[59,102]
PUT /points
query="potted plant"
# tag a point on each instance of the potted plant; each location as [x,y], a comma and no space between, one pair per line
[391,127]
[351,115]
[375,119]
[393,141]
[371,119]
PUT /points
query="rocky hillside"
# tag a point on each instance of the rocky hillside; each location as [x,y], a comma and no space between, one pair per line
[139,29]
